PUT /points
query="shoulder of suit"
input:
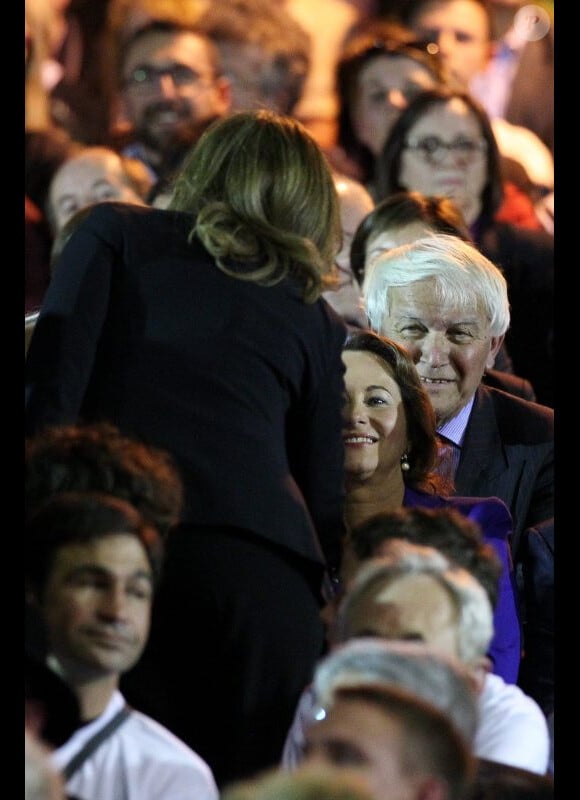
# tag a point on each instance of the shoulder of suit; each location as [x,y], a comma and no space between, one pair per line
[515,411]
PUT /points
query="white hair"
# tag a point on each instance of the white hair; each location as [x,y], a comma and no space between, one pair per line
[414,666]
[462,276]
[475,624]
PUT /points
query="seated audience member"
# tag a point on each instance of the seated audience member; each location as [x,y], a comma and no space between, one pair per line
[264,51]
[404,746]
[346,296]
[502,445]
[423,296]
[171,88]
[93,175]
[379,71]
[383,68]
[460,540]
[98,457]
[92,562]
[443,143]
[307,783]
[391,452]
[413,591]
[412,665]
[464,33]
[404,217]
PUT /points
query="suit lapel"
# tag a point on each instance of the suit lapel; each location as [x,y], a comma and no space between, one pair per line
[482,453]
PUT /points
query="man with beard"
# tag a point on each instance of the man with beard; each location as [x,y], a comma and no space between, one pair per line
[172,88]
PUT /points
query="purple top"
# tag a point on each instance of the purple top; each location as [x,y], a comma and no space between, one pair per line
[494,519]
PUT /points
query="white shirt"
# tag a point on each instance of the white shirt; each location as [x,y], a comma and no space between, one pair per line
[512,728]
[141,760]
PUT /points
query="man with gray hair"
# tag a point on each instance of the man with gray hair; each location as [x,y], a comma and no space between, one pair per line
[414,592]
[447,304]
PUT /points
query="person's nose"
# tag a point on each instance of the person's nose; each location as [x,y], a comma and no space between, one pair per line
[397,99]
[113,606]
[356,413]
[167,85]
[435,350]
[446,42]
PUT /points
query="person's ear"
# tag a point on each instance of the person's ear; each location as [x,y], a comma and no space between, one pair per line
[494,348]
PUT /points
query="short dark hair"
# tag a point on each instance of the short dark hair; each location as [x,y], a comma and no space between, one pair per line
[98,457]
[80,517]
[399,210]
[459,538]
[169,27]
[278,35]
[430,744]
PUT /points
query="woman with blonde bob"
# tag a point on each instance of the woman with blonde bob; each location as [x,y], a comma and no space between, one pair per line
[200,328]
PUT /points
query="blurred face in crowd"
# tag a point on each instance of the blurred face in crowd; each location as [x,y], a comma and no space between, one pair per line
[170,89]
[446,155]
[96,604]
[461,30]
[389,239]
[88,178]
[374,427]
[414,607]
[451,346]
[355,204]
[357,735]
[386,84]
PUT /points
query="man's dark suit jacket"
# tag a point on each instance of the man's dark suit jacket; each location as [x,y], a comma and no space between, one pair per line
[508,382]
[508,452]
[241,383]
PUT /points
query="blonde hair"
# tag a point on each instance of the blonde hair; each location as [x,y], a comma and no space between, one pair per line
[263,200]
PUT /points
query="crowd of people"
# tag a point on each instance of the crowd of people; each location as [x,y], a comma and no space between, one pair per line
[289,424]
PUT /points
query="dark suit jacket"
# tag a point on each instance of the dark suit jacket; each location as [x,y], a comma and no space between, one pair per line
[526,257]
[241,383]
[509,383]
[508,452]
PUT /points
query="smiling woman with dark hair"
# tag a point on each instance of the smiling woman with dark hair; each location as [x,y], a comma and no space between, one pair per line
[391,451]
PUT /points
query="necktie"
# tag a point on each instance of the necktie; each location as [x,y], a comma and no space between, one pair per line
[446,461]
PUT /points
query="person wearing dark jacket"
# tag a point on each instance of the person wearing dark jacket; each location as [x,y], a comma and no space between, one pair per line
[200,329]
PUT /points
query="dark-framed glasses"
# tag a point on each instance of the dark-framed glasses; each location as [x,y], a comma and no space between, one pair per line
[145,78]
[434,150]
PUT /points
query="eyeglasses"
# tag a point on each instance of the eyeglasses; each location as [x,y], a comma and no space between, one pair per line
[145,78]
[433,149]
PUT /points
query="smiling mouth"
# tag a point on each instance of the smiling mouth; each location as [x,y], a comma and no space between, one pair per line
[436,381]
[359,440]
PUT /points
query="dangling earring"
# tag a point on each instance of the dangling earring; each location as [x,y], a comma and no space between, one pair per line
[405,466]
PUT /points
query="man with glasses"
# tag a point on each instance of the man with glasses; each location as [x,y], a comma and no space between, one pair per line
[171,90]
